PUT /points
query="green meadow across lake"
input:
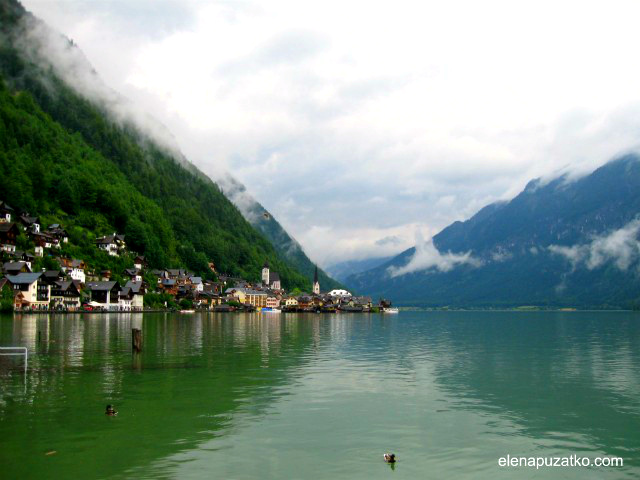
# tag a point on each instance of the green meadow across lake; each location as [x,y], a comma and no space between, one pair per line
[241,396]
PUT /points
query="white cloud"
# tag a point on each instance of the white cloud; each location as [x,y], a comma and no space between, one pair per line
[432,108]
[620,247]
[428,257]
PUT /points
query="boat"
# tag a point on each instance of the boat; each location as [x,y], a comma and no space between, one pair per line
[390,310]
[187,311]
[270,310]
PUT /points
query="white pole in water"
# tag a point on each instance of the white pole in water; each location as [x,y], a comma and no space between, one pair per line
[23,351]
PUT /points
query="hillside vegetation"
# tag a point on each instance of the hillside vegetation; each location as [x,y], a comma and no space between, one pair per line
[65,159]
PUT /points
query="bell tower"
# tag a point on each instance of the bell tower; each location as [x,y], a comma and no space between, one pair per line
[265,273]
[316,284]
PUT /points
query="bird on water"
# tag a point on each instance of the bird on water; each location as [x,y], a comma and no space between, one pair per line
[390,457]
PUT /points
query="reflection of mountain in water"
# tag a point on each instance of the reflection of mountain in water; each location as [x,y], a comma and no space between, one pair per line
[453,391]
[193,374]
[558,376]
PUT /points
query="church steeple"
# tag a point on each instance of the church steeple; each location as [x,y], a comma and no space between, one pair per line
[316,284]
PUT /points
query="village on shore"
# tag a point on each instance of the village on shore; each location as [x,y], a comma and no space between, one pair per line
[74,287]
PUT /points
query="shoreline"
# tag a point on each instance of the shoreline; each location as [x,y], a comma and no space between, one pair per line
[401,309]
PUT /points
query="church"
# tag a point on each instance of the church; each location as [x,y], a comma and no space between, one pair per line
[270,279]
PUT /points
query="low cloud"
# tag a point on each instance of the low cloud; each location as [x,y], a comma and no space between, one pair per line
[620,247]
[389,240]
[298,102]
[428,257]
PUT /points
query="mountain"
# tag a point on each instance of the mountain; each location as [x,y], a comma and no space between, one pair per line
[343,270]
[564,243]
[74,152]
[286,246]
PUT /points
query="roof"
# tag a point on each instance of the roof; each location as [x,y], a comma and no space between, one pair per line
[98,286]
[63,286]
[168,281]
[29,220]
[274,277]
[362,300]
[14,266]
[24,278]
[196,280]
[134,287]
[132,271]
[5,227]
[4,206]
[107,239]
[49,274]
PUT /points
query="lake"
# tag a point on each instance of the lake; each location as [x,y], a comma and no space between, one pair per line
[240,396]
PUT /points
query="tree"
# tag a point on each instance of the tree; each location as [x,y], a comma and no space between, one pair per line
[6,299]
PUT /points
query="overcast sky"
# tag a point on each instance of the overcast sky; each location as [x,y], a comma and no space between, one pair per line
[359,124]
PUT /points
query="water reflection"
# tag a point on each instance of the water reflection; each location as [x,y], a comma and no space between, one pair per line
[450,391]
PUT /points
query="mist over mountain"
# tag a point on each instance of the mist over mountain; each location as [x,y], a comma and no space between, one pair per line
[343,270]
[267,224]
[77,153]
[560,243]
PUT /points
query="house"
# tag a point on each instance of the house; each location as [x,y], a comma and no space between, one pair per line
[181,276]
[43,241]
[197,284]
[74,268]
[168,285]
[104,294]
[237,294]
[31,290]
[112,244]
[14,268]
[5,213]
[139,262]
[65,295]
[291,301]
[132,296]
[305,301]
[272,301]
[248,296]
[30,224]
[134,274]
[364,302]
[25,257]
[8,234]
[59,234]
[208,299]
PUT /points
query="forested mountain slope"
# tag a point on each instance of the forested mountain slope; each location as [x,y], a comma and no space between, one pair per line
[68,158]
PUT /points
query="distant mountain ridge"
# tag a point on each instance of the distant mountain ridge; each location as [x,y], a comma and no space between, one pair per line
[560,243]
[343,270]
[267,224]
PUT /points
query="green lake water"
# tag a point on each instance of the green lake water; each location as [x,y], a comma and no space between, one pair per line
[240,396]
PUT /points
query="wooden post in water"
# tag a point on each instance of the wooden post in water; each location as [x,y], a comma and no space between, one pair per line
[136,340]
